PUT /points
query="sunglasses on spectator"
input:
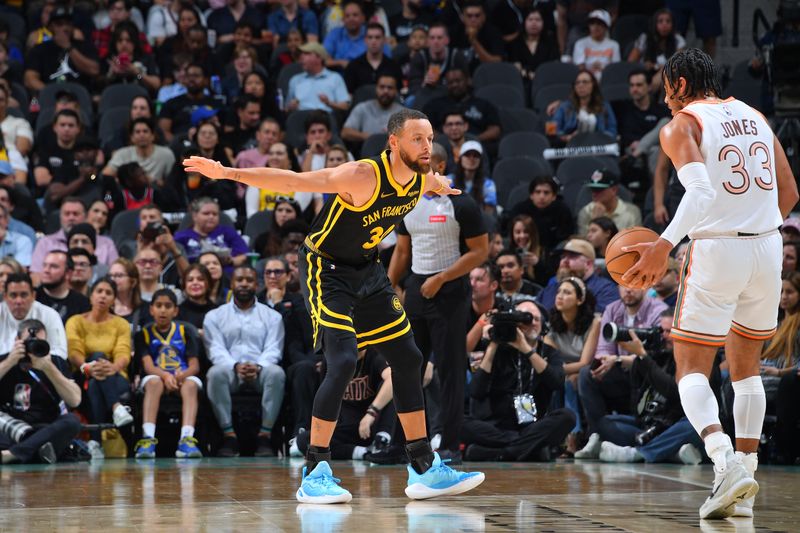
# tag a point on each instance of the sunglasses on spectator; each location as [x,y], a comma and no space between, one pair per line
[274,272]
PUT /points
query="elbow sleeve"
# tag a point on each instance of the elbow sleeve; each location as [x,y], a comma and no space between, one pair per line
[694,204]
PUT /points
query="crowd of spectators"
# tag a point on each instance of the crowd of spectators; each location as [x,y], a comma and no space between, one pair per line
[148,281]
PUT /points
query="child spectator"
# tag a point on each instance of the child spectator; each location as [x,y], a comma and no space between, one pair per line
[168,352]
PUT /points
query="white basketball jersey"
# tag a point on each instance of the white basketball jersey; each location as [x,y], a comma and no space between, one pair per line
[737,146]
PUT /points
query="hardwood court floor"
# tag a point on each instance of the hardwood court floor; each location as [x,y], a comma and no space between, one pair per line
[226,495]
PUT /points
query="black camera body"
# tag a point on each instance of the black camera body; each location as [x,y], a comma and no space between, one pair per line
[650,337]
[152,230]
[36,347]
[506,320]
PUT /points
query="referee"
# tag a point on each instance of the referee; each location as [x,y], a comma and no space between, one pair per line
[444,238]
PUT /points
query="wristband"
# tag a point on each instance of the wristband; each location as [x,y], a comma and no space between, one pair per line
[527,354]
[374,411]
[86,369]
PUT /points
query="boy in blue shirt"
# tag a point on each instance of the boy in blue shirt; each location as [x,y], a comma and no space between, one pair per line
[168,351]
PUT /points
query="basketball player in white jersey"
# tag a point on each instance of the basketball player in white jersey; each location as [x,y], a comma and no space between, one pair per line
[739,188]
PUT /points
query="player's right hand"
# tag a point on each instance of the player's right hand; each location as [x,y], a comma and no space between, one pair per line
[207,167]
[651,266]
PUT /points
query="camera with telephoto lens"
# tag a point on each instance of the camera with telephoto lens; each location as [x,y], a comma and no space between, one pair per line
[152,230]
[650,337]
[36,347]
[506,321]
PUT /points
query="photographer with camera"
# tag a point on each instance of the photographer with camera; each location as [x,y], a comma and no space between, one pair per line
[657,430]
[35,392]
[154,233]
[511,390]
[604,387]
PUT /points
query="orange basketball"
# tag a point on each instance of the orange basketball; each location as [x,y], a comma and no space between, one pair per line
[617,261]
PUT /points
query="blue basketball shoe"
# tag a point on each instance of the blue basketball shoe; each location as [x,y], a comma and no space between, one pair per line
[146,448]
[440,480]
[321,487]
[187,447]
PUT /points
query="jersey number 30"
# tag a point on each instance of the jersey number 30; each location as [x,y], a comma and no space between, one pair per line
[738,168]
[376,236]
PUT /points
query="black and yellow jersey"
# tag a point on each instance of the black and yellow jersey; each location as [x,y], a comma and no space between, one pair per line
[351,234]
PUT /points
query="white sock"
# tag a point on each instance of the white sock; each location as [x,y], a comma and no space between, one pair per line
[749,407]
[187,431]
[358,452]
[148,430]
[718,446]
[699,402]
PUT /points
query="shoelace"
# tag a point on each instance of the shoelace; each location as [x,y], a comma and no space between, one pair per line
[144,443]
[328,481]
[190,440]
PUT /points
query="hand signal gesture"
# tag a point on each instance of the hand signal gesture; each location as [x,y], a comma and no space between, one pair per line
[440,185]
[207,167]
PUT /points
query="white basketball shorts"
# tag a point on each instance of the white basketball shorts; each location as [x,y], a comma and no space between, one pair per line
[729,284]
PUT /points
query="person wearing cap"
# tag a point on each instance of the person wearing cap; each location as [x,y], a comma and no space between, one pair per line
[177,114]
[82,263]
[17,132]
[316,87]
[157,161]
[471,177]
[577,260]
[604,185]
[596,50]
[572,19]
[61,58]
[346,43]
[790,230]
[12,243]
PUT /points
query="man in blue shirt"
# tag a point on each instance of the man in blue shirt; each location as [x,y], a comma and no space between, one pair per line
[244,341]
[577,259]
[12,243]
[316,87]
[346,42]
[289,17]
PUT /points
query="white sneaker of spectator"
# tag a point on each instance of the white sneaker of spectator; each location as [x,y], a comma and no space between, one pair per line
[122,416]
[436,441]
[96,450]
[689,454]
[611,453]
[592,448]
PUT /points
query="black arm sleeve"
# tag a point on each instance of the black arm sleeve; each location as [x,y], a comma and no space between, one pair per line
[553,375]
[192,340]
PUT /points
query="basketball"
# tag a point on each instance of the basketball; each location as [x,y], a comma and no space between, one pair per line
[617,261]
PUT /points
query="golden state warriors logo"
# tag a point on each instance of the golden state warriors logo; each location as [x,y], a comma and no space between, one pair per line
[168,359]
[396,304]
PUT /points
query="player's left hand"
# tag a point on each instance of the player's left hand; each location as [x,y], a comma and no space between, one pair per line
[440,185]
[431,286]
[651,266]
[365,426]
[207,167]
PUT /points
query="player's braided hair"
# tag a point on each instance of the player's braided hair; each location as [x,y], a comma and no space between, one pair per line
[399,119]
[699,71]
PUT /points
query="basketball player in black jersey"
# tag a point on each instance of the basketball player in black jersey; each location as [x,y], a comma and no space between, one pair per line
[349,296]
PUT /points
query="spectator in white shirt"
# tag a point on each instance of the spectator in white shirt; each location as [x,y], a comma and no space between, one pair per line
[596,51]
[19,303]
